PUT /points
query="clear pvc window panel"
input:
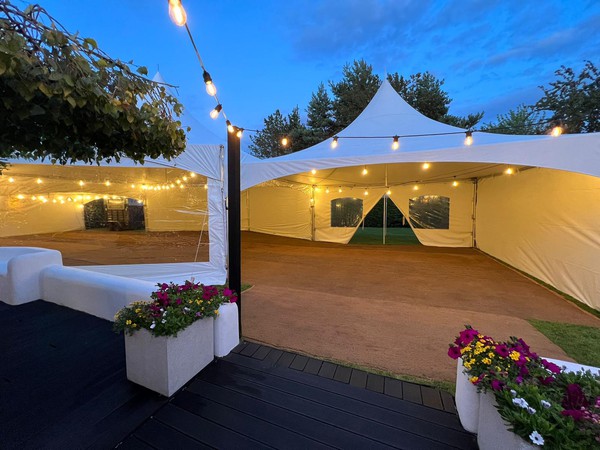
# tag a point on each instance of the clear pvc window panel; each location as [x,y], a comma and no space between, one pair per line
[430,212]
[346,212]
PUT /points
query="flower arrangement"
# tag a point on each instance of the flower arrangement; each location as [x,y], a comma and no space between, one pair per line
[543,404]
[173,308]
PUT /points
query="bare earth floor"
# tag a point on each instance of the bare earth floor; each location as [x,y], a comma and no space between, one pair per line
[392,308]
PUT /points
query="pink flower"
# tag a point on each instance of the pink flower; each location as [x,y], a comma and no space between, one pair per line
[227,292]
[467,335]
[233,299]
[502,350]
[551,366]
[454,352]
[497,385]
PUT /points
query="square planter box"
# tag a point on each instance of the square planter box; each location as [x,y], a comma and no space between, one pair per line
[467,399]
[227,330]
[164,364]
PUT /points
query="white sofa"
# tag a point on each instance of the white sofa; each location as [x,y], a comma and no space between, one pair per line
[95,293]
[20,269]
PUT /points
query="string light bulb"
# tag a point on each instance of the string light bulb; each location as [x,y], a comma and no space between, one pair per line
[240,133]
[215,112]
[284,141]
[177,13]
[230,128]
[389,192]
[365,171]
[211,89]
[469,138]
[426,166]
[81,183]
[193,174]
[334,142]
[327,190]
[415,188]
[366,192]
[39,181]
[509,171]
[396,143]
[340,189]
[455,183]
[11,180]
[107,183]
[313,171]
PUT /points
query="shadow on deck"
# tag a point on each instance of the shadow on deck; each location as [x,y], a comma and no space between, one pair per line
[63,385]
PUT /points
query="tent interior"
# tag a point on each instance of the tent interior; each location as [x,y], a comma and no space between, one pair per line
[154,201]
[529,201]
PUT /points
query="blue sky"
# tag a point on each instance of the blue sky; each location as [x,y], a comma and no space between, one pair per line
[264,55]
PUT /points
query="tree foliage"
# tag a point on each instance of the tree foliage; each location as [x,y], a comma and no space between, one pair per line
[422,91]
[320,122]
[574,99]
[522,120]
[64,99]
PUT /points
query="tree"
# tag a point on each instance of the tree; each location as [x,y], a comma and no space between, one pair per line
[267,142]
[64,99]
[320,121]
[574,99]
[467,122]
[422,91]
[353,93]
[522,120]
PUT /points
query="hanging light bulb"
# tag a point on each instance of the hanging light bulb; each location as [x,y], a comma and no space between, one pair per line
[215,112]
[184,178]
[389,192]
[193,174]
[415,188]
[327,190]
[81,183]
[556,131]
[284,141]
[240,133]
[230,128]
[178,181]
[107,183]
[20,196]
[33,197]
[211,89]
[177,13]
[455,183]
[53,200]
[11,180]
[365,171]
[334,142]
[509,171]
[206,186]
[133,186]
[39,181]
[366,192]
[396,143]
[469,138]
[340,189]
[426,166]
[313,171]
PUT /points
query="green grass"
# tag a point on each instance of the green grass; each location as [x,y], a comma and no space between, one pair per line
[395,236]
[582,343]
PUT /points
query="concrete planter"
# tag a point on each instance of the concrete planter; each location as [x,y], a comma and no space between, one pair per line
[493,433]
[227,334]
[164,364]
[467,399]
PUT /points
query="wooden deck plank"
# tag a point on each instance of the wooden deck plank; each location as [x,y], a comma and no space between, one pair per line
[327,370]
[299,362]
[448,401]
[358,378]
[250,349]
[393,387]
[381,424]
[285,359]
[412,393]
[161,436]
[133,443]
[313,366]
[342,374]
[262,352]
[272,357]
[375,383]
[431,397]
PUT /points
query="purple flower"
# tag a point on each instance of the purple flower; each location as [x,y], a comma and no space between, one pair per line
[227,292]
[519,379]
[574,398]
[502,350]
[551,366]
[576,414]
[454,352]
[497,385]
[547,380]
[467,335]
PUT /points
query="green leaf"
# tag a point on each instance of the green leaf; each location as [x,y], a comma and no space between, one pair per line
[142,70]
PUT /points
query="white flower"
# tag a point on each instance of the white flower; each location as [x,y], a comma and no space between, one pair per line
[520,402]
[186,309]
[546,404]
[536,438]
[163,321]
[531,410]
[165,313]
[153,325]
[513,392]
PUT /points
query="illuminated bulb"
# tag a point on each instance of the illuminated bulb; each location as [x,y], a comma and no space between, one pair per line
[105,197]
[340,189]
[44,200]
[60,197]
[115,197]
[144,187]
[53,200]
[11,180]
[239,133]
[178,181]
[556,131]
[79,206]
[62,202]
[426,166]
[159,188]
[192,174]
[314,171]
[206,186]
[215,112]
[184,178]
[133,186]
[334,142]
[181,186]
[366,192]
[365,171]
[87,197]
[284,142]
[455,183]
[79,198]
[211,89]
[415,188]
[172,185]
[509,171]
[107,183]
[97,197]
[69,199]
[389,192]
[33,197]
[229,126]
[20,197]
[312,201]
[177,13]
[81,183]
[469,138]
[39,181]
[327,190]
[396,143]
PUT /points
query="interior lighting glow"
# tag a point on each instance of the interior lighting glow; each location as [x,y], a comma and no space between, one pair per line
[185,178]
[177,13]
[105,197]
[79,206]
[334,142]
[415,188]
[178,181]
[366,192]
[426,166]
[53,200]
[389,192]
[340,189]
[69,199]
[327,190]
[20,197]
[469,138]
[284,141]
[192,174]
[133,186]
[62,202]
[556,131]
[33,197]
[396,143]
[172,185]
[206,186]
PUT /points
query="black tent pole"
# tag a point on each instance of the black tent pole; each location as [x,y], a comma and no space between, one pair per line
[233,219]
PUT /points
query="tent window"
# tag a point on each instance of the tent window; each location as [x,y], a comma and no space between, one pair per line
[430,211]
[346,212]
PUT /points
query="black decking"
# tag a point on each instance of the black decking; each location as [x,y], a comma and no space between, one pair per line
[63,385]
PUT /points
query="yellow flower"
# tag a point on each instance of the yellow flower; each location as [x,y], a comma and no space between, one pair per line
[472,361]
[133,325]
[487,361]
[478,351]
[137,310]
[217,312]
[464,349]
[467,365]
[498,369]
[128,322]
[478,344]
[514,355]
[473,379]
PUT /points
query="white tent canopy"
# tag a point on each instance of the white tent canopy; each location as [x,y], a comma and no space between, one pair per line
[543,219]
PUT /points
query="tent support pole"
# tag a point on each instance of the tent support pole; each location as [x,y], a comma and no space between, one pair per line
[474,233]
[233,218]
[384,217]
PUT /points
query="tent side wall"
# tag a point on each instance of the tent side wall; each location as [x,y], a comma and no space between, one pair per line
[546,223]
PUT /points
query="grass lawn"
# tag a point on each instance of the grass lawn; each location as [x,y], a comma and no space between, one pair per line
[580,342]
[374,236]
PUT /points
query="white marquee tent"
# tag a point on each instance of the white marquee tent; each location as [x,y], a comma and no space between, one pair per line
[544,218]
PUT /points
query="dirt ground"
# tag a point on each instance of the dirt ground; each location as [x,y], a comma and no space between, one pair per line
[392,308]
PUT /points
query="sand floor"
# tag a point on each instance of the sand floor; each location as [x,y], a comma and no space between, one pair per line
[392,308]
